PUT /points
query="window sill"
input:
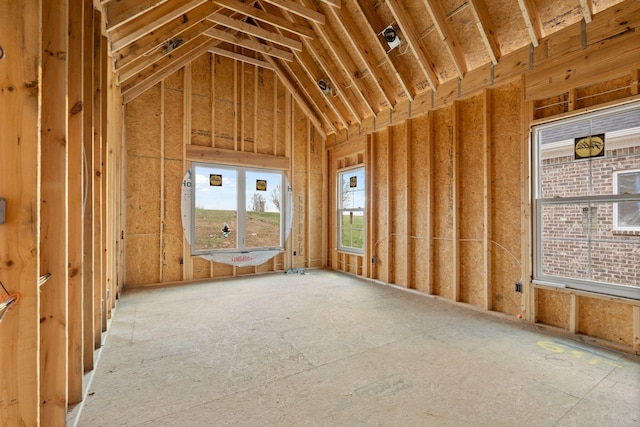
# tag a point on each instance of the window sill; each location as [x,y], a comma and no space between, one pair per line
[626,232]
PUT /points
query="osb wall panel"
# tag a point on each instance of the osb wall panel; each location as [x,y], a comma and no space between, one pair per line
[142,250]
[419,190]
[443,203]
[266,105]
[281,127]
[172,235]
[201,105]
[505,210]
[553,308]
[398,196]
[201,268]
[247,108]
[224,102]
[300,182]
[604,92]
[174,116]
[606,319]
[143,124]
[471,199]
[381,244]
[315,192]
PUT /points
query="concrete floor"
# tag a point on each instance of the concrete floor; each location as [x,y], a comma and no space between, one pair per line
[325,349]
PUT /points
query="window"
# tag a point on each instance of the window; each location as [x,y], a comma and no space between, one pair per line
[351,219]
[587,202]
[236,209]
[627,214]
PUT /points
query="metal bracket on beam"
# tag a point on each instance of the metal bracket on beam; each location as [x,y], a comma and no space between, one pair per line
[531,56]
[583,34]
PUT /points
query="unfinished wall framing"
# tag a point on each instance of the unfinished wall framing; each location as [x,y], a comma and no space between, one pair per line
[449,202]
[215,109]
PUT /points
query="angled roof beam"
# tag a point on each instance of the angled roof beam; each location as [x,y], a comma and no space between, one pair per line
[295,8]
[144,24]
[122,11]
[448,35]
[299,98]
[249,44]
[373,21]
[239,25]
[358,44]
[334,3]
[587,10]
[171,29]
[531,20]
[409,31]
[241,58]
[261,15]
[319,58]
[142,62]
[331,42]
[164,68]
[487,28]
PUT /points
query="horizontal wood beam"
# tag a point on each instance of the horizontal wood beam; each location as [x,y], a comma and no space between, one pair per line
[196,153]
[241,58]
[261,33]
[249,44]
[268,18]
[122,11]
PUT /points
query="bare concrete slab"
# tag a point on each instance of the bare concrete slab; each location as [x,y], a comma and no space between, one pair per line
[326,349]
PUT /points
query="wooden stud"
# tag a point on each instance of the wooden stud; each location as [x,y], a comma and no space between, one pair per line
[88,161]
[455,203]
[75,177]
[187,259]
[96,173]
[289,152]
[526,233]
[213,103]
[54,213]
[235,105]
[19,174]
[574,314]
[487,158]
[255,108]
[635,85]
[636,328]
[161,183]
[408,141]
[430,147]
[104,109]
[389,208]
[241,107]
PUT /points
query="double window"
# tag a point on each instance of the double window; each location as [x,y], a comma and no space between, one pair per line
[587,202]
[351,213]
[236,209]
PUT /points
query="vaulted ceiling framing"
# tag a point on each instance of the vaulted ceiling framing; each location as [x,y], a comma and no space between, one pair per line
[341,42]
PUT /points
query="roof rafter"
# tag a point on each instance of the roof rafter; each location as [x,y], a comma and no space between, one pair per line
[142,62]
[487,29]
[122,11]
[448,35]
[300,98]
[366,56]
[153,19]
[261,15]
[241,58]
[168,31]
[261,33]
[372,20]
[531,20]
[164,68]
[319,59]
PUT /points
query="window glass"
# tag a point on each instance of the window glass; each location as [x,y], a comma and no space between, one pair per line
[236,209]
[351,214]
[587,202]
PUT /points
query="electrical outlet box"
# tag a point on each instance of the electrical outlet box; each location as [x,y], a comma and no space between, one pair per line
[3,210]
[519,286]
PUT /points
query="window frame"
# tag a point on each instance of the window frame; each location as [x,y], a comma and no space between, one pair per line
[539,277]
[617,227]
[241,206]
[341,210]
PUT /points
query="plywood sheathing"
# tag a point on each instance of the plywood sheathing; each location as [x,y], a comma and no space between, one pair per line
[606,319]
[201,105]
[420,207]
[143,186]
[443,214]
[398,198]
[224,102]
[553,308]
[299,185]
[506,213]
[471,200]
